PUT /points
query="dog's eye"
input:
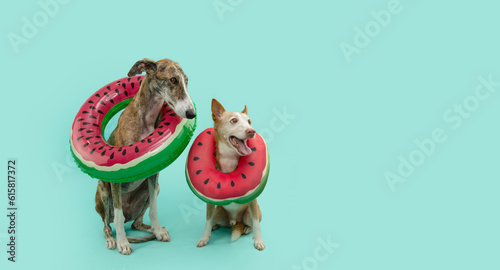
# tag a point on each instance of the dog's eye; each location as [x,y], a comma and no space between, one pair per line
[174,80]
[234,120]
[249,121]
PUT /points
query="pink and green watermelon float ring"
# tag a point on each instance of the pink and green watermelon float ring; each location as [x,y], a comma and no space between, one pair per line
[215,187]
[126,163]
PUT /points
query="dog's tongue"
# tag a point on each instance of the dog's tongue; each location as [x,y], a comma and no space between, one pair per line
[244,149]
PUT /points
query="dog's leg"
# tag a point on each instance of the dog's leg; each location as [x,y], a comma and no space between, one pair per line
[107,202]
[139,225]
[208,226]
[256,217]
[121,238]
[220,218]
[247,220]
[160,232]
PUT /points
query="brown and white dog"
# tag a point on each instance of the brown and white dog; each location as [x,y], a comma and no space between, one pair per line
[119,203]
[232,129]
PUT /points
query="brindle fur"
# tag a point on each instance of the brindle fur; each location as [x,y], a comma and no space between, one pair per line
[133,197]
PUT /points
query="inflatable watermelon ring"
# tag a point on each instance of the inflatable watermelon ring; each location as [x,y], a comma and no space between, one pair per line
[240,186]
[129,162]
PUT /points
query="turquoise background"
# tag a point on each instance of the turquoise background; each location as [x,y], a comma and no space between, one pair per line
[348,123]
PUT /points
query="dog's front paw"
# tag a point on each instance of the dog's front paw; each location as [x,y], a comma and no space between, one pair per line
[124,247]
[259,244]
[203,241]
[162,235]
[111,243]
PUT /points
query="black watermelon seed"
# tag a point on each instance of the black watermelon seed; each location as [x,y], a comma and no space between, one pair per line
[111,148]
[118,82]
[167,123]
[129,79]
[97,95]
[96,142]
[80,129]
[132,84]
[162,120]
[138,77]
[99,111]
[160,133]
[95,125]
[232,183]
[214,154]
[169,110]
[209,132]
[142,141]
[140,82]
[85,112]
[100,148]
[244,176]
[86,123]
[103,152]
[85,145]
[91,102]
[254,149]
[112,155]
[106,94]
[198,172]
[78,120]
[92,107]
[92,151]
[124,151]
[206,181]
[251,163]
[79,138]
[172,114]
[200,144]
[111,100]
[123,84]
[149,140]
[98,137]
[137,149]
[89,131]
[218,185]
[126,94]
[109,88]
[196,158]
[102,102]
[88,138]
[117,91]
[130,145]
[93,117]
[119,149]
[160,127]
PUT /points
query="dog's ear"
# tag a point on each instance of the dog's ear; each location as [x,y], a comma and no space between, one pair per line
[141,66]
[245,111]
[217,109]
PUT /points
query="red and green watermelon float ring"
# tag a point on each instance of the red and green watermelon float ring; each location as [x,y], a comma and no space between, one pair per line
[215,187]
[126,163]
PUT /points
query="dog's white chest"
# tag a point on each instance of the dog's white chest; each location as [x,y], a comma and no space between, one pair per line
[233,208]
[131,186]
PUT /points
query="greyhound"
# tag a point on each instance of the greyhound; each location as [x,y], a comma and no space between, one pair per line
[119,203]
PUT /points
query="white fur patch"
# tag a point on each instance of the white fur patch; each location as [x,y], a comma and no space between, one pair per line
[119,221]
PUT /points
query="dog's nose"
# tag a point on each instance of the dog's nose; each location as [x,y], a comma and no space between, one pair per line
[190,114]
[250,132]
